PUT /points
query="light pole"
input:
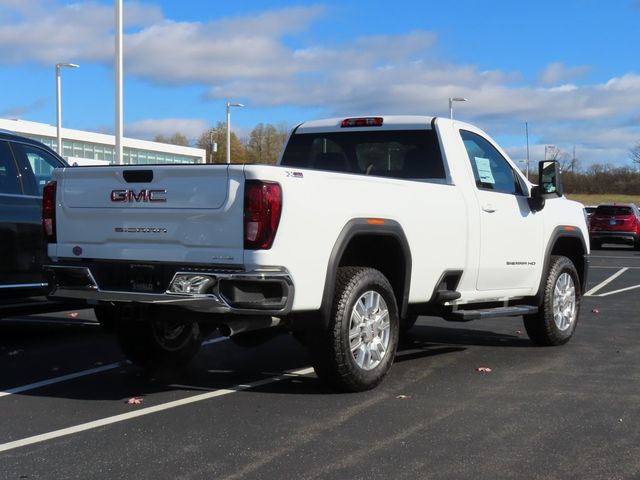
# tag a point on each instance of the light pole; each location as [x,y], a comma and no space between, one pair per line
[118,65]
[59,102]
[451,100]
[526,127]
[229,105]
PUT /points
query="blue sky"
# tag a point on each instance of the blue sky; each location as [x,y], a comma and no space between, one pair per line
[569,68]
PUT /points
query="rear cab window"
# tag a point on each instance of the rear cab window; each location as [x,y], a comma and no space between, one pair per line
[406,154]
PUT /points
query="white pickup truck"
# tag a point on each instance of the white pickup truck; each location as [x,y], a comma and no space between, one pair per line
[365,224]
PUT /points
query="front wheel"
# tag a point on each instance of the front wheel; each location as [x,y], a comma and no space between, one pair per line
[557,318]
[156,343]
[359,345]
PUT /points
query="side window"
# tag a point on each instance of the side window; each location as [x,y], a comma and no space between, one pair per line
[9,180]
[36,167]
[490,169]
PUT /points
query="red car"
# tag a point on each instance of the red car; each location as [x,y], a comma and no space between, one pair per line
[615,223]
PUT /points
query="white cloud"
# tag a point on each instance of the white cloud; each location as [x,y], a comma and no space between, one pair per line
[19,111]
[556,73]
[67,32]
[247,58]
[148,129]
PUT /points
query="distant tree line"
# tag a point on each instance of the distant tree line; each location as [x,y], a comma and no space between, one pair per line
[263,145]
[603,179]
[598,178]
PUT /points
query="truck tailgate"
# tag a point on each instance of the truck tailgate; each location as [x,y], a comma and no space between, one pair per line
[173,213]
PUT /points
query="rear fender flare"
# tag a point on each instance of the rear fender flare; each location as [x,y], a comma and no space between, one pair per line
[363,227]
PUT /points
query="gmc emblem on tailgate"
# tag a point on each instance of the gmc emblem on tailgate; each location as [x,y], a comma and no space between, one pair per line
[143,195]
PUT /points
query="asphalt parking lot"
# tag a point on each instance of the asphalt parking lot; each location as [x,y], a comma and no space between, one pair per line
[540,413]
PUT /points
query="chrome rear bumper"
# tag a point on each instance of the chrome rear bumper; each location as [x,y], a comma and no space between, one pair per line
[264,292]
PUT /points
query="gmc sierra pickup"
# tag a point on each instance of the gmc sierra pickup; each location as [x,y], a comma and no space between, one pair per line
[365,224]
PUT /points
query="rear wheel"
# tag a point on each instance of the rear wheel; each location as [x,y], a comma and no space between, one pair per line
[359,345]
[158,342]
[556,321]
[596,245]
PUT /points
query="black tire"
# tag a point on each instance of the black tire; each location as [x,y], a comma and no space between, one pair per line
[106,316]
[636,245]
[556,321]
[158,343]
[335,359]
[596,245]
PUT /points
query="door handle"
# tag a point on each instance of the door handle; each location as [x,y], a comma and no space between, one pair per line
[489,208]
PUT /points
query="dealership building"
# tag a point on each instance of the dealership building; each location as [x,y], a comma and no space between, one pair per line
[88,148]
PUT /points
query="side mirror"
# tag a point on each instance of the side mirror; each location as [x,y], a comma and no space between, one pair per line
[549,178]
[536,200]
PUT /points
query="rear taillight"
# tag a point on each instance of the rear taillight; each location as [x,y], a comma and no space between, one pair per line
[49,212]
[262,207]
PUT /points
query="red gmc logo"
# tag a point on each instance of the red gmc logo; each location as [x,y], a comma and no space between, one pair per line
[139,196]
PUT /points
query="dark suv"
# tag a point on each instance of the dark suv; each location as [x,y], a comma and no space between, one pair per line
[615,223]
[25,168]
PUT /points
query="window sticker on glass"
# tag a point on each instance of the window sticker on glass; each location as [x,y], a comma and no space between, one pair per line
[484,170]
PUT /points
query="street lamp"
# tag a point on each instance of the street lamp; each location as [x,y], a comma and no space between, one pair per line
[451,100]
[59,102]
[229,105]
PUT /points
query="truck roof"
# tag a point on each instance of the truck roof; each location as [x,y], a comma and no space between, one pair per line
[389,122]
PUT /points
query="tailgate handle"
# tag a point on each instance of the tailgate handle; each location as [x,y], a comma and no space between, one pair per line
[138,176]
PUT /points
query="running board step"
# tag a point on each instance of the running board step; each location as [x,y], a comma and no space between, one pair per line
[443,296]
[468,315]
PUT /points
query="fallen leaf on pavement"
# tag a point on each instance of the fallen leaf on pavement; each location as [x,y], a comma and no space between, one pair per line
[134,401]
[403,397]
[484,369]
[595,310]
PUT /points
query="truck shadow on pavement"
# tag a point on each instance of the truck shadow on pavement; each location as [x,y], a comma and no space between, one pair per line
[225,365]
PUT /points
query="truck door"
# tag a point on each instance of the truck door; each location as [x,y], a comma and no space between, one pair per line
[510,233]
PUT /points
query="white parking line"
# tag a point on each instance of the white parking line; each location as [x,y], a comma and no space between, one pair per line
[84,373]
[606,282]
[146,411]
[63,378]
[618,291]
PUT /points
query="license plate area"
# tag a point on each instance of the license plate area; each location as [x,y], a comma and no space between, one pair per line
[144,278]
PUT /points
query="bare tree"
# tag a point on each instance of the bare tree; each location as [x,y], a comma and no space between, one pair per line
[265,143]
[634,153]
